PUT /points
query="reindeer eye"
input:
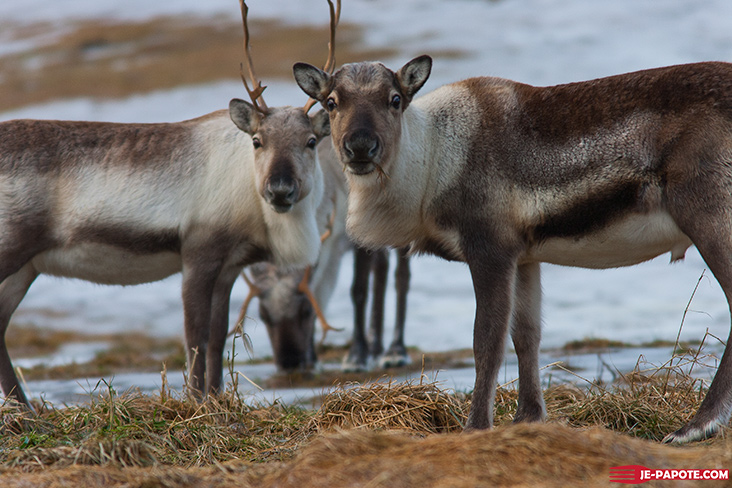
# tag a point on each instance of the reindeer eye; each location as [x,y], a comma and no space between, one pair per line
[312,142]
[256,142]
[396,101]
[331,105]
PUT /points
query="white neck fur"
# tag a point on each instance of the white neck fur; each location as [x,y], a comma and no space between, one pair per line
[293,236]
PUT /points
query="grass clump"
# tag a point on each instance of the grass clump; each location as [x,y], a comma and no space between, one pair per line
[420,408]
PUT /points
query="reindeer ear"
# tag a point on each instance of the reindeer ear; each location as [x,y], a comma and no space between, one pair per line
[321,124]
[414,74]
[244,115]
[313,81]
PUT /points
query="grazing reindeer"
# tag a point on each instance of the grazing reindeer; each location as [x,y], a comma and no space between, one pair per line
[135,203]
[504,176]
[287,304]
[289,313]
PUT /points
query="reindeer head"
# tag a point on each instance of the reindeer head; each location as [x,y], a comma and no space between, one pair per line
[284,138]
[287,314]
[284,141]
[365,102]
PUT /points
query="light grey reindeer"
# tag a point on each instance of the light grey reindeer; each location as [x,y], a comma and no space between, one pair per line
[503,176]
[134,203]
[290,299]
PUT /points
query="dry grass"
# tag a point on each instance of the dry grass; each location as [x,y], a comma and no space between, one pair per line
[382,434]
[517,455]
[132,429]
[29,341]
[420,361]
[418,408]
[520,455]
[135,430]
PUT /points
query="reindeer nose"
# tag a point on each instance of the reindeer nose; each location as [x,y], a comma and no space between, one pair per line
[281,194]
[361,146]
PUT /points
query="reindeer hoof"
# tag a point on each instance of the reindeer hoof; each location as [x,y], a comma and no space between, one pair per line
[536,412]
[691,433]
[357,360]
[356,366]
[357,363]
[394,360]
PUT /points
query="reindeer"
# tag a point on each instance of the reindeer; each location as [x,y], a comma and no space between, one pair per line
[504,176]
[287,305]
[290,299]
[133,203]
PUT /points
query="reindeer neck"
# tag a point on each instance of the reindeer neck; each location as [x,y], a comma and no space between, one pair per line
[432,151]
[294,237]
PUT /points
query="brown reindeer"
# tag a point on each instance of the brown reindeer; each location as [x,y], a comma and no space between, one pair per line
[135,203]
[504,176]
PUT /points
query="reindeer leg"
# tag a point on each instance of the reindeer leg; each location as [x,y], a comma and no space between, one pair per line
[716,408]
[357,357]
[199,281]
[380,269]
[219,327]
[526,334]
[701,206]
[493,270]
[12,291]
[715,246]
[397,355]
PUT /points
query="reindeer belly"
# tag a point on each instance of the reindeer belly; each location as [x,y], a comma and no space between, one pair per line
[105,264]
[632,240]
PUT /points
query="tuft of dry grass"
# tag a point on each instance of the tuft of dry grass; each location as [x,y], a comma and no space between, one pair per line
[419,408]
[592,344]
[645,408]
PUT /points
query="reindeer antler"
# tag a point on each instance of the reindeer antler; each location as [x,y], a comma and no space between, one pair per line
[254,292]
[304,288]
[335,17]
[257,89]
[329,67]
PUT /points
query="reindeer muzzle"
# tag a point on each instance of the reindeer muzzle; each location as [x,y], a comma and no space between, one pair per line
[362,151]
[282,194]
